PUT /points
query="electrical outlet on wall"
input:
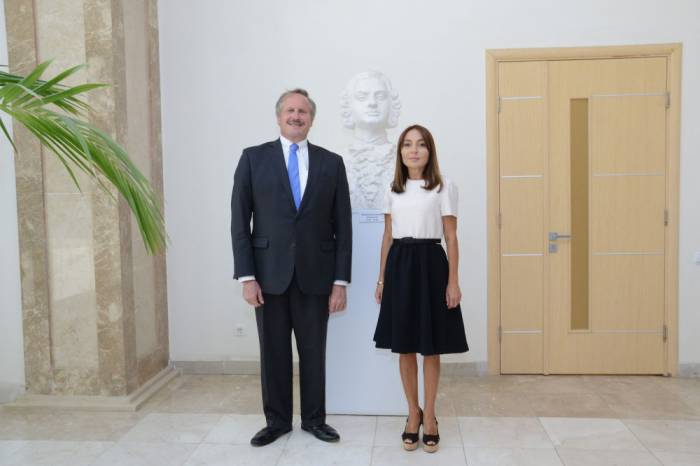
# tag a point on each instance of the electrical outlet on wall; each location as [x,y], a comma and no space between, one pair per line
[240,330]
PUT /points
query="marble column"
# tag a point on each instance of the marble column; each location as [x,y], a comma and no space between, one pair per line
[94,302]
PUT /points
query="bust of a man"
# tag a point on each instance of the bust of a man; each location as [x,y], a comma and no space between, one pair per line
[370,106]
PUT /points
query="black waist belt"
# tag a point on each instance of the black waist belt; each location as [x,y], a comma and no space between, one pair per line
[409,240]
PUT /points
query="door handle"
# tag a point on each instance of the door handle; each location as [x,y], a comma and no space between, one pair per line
[553,236]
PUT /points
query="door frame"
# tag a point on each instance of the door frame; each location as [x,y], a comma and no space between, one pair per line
[673,53]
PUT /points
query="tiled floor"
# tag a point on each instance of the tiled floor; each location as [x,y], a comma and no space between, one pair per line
[500,421]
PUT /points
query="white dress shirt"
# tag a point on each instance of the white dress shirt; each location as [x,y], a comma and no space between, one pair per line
[303,159]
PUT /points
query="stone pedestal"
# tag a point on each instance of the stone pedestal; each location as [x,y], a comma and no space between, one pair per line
[361,379]
[94,302]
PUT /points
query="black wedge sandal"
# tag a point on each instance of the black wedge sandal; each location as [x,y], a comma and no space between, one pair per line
[409,440]
[430,442]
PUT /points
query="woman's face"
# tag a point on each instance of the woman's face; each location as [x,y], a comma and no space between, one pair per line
[414,151]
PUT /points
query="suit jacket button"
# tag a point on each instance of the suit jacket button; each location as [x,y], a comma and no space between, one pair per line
[294,245]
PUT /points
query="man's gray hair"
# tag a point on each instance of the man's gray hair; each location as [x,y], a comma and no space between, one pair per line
[300,91]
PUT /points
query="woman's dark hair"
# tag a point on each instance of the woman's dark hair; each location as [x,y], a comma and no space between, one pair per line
[431,173]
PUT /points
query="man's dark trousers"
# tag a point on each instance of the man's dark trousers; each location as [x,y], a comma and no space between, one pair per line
[307,315]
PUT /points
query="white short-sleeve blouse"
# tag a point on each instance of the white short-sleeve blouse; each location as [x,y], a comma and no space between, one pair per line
[417,212]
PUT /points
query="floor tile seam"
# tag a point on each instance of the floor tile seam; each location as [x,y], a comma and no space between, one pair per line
[651,452]
[549,436]
[167,442]
[603,450]
[160,442]
[656,451]
[56,441]
[511,446]
[551,443]
[561,460]
[626,427]
[608,449]
[649,449]
[582,418]
[17,452]
[204,442]
[119,439]
[194,450]
[622,450]
[125,434]
[118,443]
[211,427]
[373,446]
[314,445]
[461,438]
[496,417]
[683,417]
[28,444]
[546,432]
[374,439]
[281,451]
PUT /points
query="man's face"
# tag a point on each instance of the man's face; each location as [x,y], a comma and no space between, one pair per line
[370,102]
[295,118]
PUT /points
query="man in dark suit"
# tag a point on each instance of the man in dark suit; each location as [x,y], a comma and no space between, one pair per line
[295,263]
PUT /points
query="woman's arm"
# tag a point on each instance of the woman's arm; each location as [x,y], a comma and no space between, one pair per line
[453,295]
[386,244]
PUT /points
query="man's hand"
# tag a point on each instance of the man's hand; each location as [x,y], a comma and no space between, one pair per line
[338,299]
[252,293]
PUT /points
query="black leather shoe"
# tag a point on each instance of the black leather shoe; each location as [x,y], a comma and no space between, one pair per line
[323,432]
[267,435]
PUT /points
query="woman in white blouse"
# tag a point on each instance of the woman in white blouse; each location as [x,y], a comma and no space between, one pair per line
[418,286]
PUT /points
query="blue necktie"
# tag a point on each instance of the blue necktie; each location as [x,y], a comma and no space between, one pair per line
[293,173]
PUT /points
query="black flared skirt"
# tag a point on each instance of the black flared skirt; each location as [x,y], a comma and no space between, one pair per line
[414,317]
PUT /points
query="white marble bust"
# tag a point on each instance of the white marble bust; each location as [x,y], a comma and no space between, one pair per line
[370,106]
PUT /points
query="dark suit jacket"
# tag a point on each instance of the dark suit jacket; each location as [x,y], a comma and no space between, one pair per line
[316,241]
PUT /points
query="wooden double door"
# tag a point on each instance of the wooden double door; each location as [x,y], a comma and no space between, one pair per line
[583,215]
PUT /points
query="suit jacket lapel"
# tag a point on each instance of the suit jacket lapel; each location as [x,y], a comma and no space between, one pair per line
[281,168]
[314,171]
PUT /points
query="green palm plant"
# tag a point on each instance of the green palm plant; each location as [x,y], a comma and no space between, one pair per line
[56,115]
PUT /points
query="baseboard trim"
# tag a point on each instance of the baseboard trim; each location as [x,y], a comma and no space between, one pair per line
[221,367]
[689,370]
[253,368]
[128,403]
[471,369]
[9,392]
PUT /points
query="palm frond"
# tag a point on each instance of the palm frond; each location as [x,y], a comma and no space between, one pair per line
[55,115]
